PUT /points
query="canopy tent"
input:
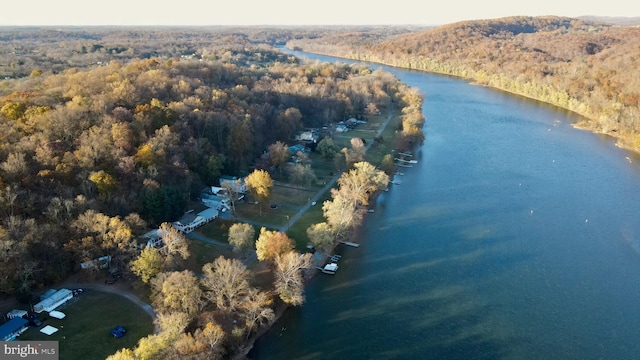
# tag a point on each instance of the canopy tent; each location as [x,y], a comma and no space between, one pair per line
[57,314]
[48,330]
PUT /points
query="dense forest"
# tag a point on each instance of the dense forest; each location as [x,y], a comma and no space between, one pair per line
[144,138]
[585,66]
[108,133]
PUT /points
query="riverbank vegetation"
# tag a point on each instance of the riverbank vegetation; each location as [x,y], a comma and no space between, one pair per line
[104,142]
[589,67]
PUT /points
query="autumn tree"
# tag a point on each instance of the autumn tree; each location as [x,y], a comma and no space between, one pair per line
[359,183]
[355,153]
[177,291]
[289,281]
[270,244]
[101,235]
[259,185]
[342,214]
[322,236]
[104,182]
[241,236]
[279,154]
[227,282]
[148,264]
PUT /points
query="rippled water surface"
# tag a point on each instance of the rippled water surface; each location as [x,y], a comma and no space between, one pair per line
[514,237]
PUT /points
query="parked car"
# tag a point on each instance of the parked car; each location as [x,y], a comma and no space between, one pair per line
[35,322]
[118,331]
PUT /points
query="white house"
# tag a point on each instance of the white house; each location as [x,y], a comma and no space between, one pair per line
[234,183]
[190,222]
[54,301]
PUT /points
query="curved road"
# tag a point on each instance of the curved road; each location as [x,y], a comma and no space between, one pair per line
[118,290]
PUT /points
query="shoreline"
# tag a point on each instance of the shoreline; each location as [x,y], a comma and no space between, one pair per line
[282,308]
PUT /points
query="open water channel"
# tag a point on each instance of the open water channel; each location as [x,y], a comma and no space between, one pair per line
[515,236]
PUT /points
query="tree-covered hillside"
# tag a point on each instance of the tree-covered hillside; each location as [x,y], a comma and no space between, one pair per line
[588,67]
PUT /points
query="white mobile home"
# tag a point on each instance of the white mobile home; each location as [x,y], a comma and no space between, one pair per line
[54,301]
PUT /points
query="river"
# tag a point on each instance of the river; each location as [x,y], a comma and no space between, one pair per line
[515,236]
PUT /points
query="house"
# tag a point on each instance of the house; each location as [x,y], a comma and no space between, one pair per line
[189,221]
[54,301]
[342,128]
[220,203]
[234,183]
[154,239]
[102,262]
[13,328]
[306,136]
[298,147]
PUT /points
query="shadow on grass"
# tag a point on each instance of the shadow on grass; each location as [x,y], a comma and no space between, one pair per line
[85,332]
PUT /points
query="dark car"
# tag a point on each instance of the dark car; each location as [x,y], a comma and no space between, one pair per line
[118,331]
[35,322]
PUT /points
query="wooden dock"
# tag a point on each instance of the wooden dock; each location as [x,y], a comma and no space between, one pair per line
[348,243]
[406,161]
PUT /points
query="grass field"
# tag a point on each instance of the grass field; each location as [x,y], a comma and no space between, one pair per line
[84,332]
[202,253]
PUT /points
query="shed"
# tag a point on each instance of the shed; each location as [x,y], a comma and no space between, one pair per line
[16,313]
[48,330]
[13,328]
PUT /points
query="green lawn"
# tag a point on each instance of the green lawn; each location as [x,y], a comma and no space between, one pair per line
[203,253]
[84,332]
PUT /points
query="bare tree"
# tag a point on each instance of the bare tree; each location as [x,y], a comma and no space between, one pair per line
[255,309]
[289,281]
[227,281]
[302,175]
[174,240]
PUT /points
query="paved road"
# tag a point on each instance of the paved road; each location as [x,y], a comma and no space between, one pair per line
[119,290]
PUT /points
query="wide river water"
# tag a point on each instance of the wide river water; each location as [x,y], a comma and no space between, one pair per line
[515,236]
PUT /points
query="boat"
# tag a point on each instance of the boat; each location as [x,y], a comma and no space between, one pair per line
[330,268]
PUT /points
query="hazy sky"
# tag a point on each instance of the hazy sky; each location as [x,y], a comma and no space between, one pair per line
[293,12]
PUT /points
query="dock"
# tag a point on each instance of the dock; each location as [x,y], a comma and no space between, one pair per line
[406,161]
[348,243]
[408,154]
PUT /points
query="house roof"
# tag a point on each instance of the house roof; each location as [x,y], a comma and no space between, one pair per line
[12,326]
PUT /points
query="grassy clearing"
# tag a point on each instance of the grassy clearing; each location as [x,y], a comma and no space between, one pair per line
[202,253]
[84,333]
